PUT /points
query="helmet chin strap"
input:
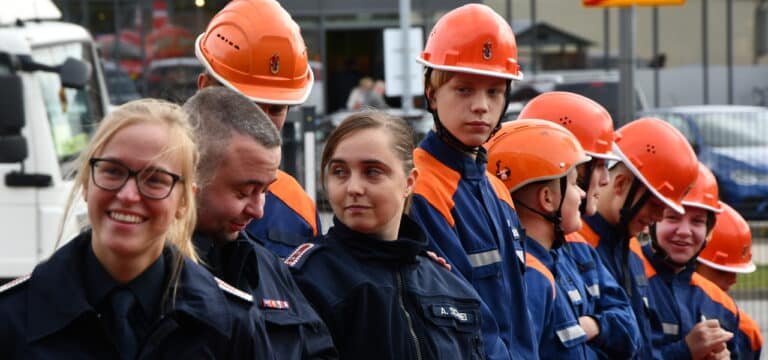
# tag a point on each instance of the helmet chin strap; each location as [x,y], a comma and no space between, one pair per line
[556,217]
[627,213]
[584,182]
[452,140]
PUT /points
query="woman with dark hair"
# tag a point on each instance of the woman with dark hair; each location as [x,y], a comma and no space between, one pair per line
[370,278]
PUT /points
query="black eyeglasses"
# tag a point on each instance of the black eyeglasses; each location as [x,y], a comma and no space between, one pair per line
[112,175]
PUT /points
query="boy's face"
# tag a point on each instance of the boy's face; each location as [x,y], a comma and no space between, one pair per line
[469,106]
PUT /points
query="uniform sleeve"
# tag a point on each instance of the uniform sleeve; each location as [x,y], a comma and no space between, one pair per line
[435,226]
[619,336]
[750,339]
[249,337]
[317,340]
[540,301]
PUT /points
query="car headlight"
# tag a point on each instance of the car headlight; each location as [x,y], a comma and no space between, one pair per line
[749,178]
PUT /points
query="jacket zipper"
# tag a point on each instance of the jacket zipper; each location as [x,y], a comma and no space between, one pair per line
[407,315]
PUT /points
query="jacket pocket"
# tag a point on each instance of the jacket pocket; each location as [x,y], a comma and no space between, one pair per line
[453,326]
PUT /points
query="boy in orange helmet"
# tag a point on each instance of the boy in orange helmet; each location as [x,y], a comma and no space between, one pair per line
[657,169]
[729,253]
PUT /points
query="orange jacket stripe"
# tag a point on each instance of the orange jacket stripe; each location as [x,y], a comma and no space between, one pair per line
[501,190]
[589,235]
[714,292]
[533,262]
[749,327]
[575,238]
[437,186]
[285,188]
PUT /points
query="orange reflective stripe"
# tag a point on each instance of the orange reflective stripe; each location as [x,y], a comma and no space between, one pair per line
[437,183]
[635,247]
[750,328]
[714,292]
[589,235]
[533,262]
[575,238]
[501,190]
[288,190]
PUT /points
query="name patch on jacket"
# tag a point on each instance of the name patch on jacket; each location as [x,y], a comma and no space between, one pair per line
[451,312]
[275,304]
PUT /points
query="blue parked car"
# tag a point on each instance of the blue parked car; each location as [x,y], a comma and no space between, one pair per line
[733,142]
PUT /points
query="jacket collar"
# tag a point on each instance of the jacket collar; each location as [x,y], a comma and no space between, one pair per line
[469,168]
[605,230]
[539,252]
[410,242]
[233,261]
[665,271]
[57,292]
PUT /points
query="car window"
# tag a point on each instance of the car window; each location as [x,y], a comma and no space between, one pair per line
[734,129]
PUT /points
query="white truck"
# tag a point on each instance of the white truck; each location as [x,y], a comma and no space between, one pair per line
[52,93]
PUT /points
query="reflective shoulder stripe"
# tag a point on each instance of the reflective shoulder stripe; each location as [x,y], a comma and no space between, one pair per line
[485,258]
[231,290]
[751,330]
[670,329]
[533,262]
[289,191]
[575,296]
[501,190]
[437,183]
[715,293]
[594,290]
[634,246]
[520,255]
[570,333]
[15,282]
[589,235]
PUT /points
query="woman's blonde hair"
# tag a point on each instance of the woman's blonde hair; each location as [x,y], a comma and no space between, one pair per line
[181,142]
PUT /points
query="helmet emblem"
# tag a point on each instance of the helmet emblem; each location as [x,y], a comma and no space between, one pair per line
[502,174]
[744,251]
[487,53]
[274,64]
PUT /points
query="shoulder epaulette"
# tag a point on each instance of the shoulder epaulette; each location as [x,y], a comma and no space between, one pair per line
[300,254]
[15,282]
[233,291]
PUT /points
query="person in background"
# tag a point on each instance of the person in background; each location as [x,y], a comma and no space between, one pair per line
[470,61]
[240,153]
[602,301]
[656,170]
[265,61]
[729,253]
[370,278]
[694,318]
[358,97]
[128,286]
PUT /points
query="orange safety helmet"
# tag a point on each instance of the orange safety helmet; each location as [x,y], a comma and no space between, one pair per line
[730,247]
[589,121]
[704,193]
[256,49]
[530,150]
[660,157]
[473,39]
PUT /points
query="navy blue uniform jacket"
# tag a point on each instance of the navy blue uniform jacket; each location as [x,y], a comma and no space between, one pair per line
[48,316]
[386,300]
[294,328]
